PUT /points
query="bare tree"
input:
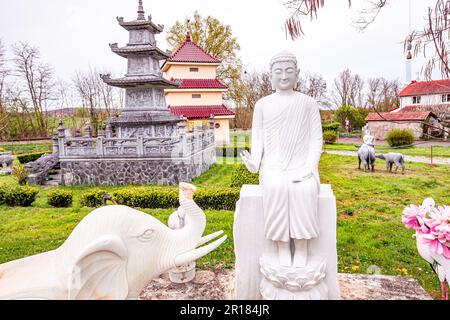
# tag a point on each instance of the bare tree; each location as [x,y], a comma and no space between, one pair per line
[37,78]
[348,89]
[314,85]
[20,119]
[435,33]
[96,96]
[382,94]
[86,84]
[106,95]
[255,86]
[4,72]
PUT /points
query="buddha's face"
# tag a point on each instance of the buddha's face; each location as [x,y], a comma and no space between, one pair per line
[284,76]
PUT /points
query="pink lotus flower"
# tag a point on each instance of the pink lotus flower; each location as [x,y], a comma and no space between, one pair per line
[432,225]
[437,246]
[441,214]
[413,216]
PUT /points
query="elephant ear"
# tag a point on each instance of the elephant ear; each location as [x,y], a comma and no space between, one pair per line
[99,273]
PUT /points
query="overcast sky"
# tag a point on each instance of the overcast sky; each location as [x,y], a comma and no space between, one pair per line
[74,34]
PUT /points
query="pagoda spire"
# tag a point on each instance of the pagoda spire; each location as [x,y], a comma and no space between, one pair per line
[141,13]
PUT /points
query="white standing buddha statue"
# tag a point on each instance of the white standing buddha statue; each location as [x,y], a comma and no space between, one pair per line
[286,149]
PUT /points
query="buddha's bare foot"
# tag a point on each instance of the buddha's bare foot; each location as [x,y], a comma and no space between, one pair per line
[300,253]
[300,260]
[284,254]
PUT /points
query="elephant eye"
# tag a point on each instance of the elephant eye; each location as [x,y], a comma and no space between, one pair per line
[147,235]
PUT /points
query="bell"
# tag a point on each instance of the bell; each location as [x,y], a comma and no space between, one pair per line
[409,55]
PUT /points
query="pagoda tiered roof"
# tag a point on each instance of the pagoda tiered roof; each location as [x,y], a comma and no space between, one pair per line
[144,49]
[150,81]
[141,24]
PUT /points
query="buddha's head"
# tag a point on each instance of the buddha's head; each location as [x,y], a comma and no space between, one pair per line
[284,71]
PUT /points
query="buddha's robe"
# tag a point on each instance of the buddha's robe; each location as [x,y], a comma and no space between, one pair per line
[286,145]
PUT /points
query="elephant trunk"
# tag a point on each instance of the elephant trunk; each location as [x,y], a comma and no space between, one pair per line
[195,218]
[192,233]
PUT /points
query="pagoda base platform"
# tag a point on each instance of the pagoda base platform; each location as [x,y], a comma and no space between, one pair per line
[136,171]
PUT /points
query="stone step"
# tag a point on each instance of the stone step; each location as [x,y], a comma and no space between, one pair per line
[52,183]
[53,179]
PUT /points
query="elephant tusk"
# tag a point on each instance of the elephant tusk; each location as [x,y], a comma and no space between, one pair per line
[197,253]
[209,237]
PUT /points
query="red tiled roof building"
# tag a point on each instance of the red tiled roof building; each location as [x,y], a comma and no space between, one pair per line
[199,92]
[422,104]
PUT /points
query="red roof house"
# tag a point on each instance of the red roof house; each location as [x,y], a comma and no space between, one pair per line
[191,53]
[426,88]
[200,112]
[199,94]
[399,116]
[421,102]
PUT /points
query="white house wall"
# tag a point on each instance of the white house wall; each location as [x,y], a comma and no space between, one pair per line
[185,99]
[430,99]
[183,72]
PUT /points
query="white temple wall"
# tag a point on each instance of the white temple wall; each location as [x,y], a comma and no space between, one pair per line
[185,98]
[184,72]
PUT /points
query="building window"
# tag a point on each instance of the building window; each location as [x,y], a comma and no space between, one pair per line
[196,96]
[217,125]
[193,69]
[446,97]
[416,99]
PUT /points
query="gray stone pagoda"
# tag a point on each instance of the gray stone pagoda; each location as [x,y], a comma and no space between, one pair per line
[146,143]
[145,113]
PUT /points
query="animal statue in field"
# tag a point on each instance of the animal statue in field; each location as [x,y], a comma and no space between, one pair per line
[111,254]
[392,158]
[432,235]
[6,159]
[366,155]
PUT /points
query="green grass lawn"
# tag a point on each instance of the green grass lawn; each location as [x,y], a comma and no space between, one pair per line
[27,148]
[438,151]
[370,232]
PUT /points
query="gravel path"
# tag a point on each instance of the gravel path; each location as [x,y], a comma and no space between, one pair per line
[219,285]
[407,158]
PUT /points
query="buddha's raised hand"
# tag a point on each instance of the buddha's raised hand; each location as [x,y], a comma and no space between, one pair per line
[248,161]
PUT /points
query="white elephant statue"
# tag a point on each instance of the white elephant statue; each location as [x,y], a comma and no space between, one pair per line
[111,254]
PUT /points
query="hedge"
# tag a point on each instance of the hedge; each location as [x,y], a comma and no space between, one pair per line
[93,198]
[230,151]
[153,197]
[241,176]
[329,137]
[147,197]
[29,157]
[60,198]
[20,173]
[331,127]
[18,196]
[400,137]
[217,199]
